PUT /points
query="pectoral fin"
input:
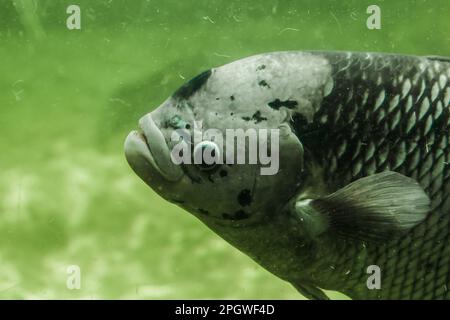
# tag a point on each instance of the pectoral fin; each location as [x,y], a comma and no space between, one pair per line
[374,208]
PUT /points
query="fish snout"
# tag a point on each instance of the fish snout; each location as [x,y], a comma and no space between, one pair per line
[147,147]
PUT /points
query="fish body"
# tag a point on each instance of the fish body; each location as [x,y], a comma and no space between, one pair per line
[363,177]
[390,113]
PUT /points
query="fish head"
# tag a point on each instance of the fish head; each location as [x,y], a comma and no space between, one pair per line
[184,152]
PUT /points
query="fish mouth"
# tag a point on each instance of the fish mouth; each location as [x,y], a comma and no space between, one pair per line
[146,149]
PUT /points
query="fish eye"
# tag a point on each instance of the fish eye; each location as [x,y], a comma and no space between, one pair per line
[206,155]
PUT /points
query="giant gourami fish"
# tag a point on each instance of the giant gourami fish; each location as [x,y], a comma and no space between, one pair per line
[363,177]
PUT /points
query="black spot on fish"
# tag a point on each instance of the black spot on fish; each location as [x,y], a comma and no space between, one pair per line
[217,98]
[203,211]
[223,173]
[261,67]
[192,85]
[277,104]
[240,215]
[232,98]
[263,83]
[256,117]
[231,113]
[245,198]
[187,126]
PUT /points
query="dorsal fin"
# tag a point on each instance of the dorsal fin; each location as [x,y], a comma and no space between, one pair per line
[438,58]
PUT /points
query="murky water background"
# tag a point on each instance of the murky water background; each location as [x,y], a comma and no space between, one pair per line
[68,98]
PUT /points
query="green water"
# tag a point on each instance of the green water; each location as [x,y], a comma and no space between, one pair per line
[69,97]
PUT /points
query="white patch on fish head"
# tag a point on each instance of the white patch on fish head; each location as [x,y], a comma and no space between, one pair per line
[275,84]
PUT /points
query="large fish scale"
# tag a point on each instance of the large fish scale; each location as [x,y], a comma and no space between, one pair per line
[390,113]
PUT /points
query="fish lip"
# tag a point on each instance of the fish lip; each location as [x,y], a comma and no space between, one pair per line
[137,152]
[148,144]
